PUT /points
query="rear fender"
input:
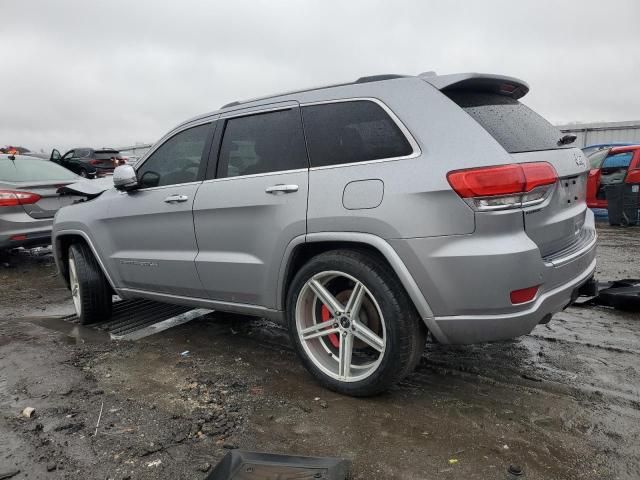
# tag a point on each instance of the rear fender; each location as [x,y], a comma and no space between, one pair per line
[379,245]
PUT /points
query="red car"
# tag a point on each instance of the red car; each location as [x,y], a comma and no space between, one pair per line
[609,166]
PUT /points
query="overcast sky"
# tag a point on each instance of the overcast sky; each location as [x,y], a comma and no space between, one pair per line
[111,73]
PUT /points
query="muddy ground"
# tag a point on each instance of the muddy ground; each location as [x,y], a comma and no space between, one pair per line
[563,402]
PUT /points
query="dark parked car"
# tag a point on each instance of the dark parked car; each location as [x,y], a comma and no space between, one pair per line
[89,162]
[29,199]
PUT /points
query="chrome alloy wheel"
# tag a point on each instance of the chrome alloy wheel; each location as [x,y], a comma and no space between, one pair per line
[75,285]
[340,326]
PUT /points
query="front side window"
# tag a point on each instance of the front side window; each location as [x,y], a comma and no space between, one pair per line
[262,143]
[349,132]
[177,160]
[68,155]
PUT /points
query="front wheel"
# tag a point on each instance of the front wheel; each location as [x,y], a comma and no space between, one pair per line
[353,324]
[90,290]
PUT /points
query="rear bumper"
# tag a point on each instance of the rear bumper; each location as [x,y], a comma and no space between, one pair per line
[467,279]
[17,229]
[31,239]
[484,328]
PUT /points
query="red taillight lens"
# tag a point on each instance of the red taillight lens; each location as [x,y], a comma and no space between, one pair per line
[94,162]
[487,182]
[13,198]
[505,185]
[524,295]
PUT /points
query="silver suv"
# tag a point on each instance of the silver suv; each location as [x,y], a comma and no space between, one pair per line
[364,215]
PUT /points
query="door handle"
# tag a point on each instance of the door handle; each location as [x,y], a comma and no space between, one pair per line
[176,198]
[281,188]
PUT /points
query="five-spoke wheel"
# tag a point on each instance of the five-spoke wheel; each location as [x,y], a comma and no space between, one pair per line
[352,323]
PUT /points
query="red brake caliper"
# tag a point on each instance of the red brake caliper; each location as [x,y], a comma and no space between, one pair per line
[326,316]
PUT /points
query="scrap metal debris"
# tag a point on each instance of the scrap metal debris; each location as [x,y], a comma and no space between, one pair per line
[243,465]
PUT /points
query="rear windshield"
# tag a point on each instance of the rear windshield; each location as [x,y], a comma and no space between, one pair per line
[514,126]
[27,170]
[106,155]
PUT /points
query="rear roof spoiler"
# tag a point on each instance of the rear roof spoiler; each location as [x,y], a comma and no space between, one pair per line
[503,85]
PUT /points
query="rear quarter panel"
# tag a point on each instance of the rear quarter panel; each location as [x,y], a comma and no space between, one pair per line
[417,201]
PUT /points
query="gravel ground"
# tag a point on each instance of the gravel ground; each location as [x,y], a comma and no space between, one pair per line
[563,402]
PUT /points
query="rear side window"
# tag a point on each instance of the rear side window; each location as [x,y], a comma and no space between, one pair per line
[24,170]
[262,143]
[350,132]
[514,125]
[82,153]
[618,160]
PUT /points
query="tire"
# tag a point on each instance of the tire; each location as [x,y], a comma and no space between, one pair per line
[383,353]
[90,290]
[84,173]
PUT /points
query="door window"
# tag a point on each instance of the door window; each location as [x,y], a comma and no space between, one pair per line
[261,143]
[177,160]
[348,132]
[618,160]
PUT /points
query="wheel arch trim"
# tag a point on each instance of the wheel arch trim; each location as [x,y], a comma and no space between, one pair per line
[79,233]
[386,250]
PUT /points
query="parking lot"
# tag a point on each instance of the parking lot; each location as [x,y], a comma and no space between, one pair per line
[563,402]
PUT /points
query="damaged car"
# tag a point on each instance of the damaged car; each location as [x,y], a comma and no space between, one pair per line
[364,216]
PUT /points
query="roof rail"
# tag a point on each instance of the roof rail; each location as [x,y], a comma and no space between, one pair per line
[372,78]
[379,78]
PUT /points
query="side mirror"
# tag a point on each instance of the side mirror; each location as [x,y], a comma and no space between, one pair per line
[55,156]
[124,178]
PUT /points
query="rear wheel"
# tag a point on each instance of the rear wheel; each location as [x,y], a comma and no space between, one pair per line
[353,324]
[90,290]
[84,173]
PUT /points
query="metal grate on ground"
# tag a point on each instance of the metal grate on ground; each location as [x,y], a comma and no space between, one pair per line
[132,318]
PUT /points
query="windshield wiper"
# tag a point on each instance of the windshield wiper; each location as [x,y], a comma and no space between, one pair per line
[567,139]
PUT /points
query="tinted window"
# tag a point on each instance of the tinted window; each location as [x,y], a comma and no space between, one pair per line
[26,170]
[83,153]
[514,126]
[177,160]
[618,160]
[106,155]
[266,142]
[348,132]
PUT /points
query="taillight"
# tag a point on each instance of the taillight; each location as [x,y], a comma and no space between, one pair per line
[13,198]
[504,186]
[94,162]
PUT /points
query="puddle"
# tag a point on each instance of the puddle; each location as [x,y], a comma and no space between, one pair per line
[75,334]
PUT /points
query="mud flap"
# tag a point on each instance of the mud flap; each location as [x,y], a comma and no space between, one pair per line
[242,465]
